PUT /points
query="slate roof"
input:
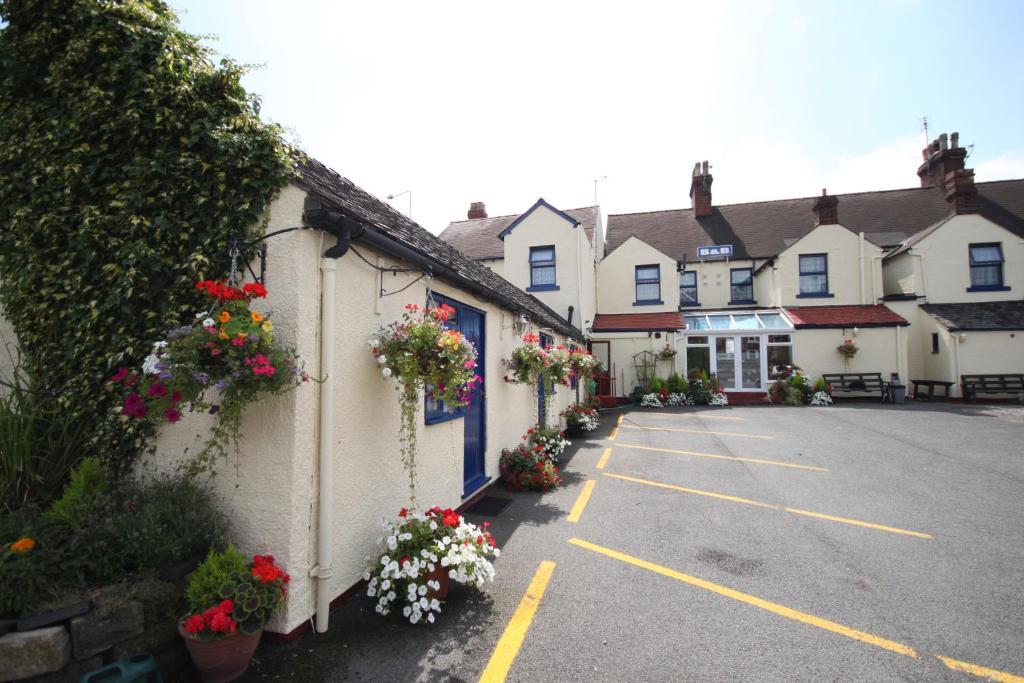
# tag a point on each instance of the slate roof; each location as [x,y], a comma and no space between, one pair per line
[984,315]
[827,317]
[330,187]
[479,239]
[763,229]
[638,322]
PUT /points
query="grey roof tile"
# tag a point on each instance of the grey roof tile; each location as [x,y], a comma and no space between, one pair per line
[985,315]
[479,239]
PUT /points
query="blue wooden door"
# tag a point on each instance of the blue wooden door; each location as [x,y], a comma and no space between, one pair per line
[471,324]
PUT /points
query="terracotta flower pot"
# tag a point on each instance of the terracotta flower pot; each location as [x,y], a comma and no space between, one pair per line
[440,574]
[221,660]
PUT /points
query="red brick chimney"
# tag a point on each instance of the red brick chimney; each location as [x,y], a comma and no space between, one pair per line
[941,157]
[700,190]
[826,208]
[961,192]
[476,210]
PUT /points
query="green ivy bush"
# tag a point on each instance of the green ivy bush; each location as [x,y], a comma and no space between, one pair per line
[129,164]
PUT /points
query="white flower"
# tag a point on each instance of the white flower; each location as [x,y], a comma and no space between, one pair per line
[149,366]
[374,343]
[391,596]
[433,526]
[385,560]
[385,584]
[430,617]
[159,344]
[406,612]
[435,605]
[446,540]
[382,359]
[209,322]
[424,604]
[386,372]
[422,590]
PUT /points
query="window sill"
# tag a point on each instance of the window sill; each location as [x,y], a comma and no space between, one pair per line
[816,295]
[743,302]
[988,288]
[447,417]
[695,304]
[649,302]
[543,288]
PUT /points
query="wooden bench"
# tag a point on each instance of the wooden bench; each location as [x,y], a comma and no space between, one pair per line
[931,384]
[859,381]
[991,384]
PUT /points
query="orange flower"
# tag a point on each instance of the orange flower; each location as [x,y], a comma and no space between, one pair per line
[223,335]
[257,317]
[23,545]
[225,317]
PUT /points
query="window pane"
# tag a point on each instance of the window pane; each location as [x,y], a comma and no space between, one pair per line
[812,264]
[720,322]
[648,292]
[688,295]
[647,272]
[688,278]
[779,357]
[725,361]
[697,322]
[698,358]
[696,341]
[745,293]
[742,277]
[988,253]
[543,275]
[982,276]
[813,284]
[542,254]
[744,322]
[773,321]
[779,338]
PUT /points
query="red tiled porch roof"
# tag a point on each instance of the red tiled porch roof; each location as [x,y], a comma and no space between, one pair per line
[844,316]
[638,322]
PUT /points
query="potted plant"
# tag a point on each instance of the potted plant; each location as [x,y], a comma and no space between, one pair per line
[525,469]
[550,441]
[580,418]
[421,353]
[531,364]
[224,360]
[420,554]
[230,600]
[848,349]
[666,353]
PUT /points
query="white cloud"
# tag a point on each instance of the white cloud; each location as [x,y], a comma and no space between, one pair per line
[1003,167]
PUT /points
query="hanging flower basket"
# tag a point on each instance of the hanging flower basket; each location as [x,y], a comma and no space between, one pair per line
[666,353]
[421,354]
[848,349]
[226,359]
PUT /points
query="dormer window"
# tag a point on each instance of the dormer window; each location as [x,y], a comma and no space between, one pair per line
[986,267]
[542,269]
[648,285]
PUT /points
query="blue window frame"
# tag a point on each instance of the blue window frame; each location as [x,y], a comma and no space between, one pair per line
[648,285]
[741,286]
[688,289]
[542,269]
[435,411]
[814,275]
[986,267]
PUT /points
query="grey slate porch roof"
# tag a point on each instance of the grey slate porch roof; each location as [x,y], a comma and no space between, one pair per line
[981,316]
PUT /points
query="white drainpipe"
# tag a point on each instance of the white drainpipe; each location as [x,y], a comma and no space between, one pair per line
[325,546]
[863,293]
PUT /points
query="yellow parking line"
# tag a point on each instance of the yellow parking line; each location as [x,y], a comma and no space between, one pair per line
[747,501]
[769,606]
[982,671]
[725,457]
[857,522]
[615,431]
[604,458]
[581,502]
[709,494]
[512,639]
[619,421]
[697,431]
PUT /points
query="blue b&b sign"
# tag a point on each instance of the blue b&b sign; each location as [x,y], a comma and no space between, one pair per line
[710,252]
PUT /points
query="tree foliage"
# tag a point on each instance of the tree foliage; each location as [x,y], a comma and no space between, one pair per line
[129,162]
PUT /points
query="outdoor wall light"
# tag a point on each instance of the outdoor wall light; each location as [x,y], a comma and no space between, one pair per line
[520,324]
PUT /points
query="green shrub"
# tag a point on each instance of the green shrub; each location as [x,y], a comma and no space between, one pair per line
[794,397]
[88,483]
[656,386]
[676,384]
[820,385]
[205,583]
[39,443]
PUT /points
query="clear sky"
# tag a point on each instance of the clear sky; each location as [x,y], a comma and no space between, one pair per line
[507,102]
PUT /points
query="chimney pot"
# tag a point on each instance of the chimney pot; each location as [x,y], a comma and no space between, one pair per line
[700,190]
[476,210]
[826,208]
[940,159]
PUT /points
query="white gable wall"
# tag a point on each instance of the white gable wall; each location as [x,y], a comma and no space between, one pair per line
[616,282]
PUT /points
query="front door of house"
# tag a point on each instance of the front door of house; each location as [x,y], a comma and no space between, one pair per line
[738,362]
[471,324]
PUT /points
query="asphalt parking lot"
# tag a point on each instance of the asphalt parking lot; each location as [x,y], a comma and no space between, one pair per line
[858,542]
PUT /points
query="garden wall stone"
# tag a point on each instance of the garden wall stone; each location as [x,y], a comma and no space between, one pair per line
[92,634]
[72,673]
[34,652]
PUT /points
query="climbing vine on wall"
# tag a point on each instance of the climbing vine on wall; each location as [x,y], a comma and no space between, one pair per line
[129,162]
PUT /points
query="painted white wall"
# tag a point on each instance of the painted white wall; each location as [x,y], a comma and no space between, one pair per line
[269,491]
[623,346]
[616,280]
[713,283]
[881,349]
[544,227]
[946,265]
[845,268]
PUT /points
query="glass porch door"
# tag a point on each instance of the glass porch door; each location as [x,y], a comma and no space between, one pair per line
[738,362]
